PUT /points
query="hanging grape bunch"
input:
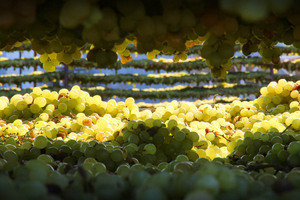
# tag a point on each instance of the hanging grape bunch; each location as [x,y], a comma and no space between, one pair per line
[60,30]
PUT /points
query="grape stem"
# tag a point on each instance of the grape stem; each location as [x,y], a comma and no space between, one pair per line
[286,129]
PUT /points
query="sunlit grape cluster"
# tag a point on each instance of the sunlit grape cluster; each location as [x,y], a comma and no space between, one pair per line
[60,55]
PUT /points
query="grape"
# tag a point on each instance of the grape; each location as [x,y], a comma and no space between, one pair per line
[144,136]
[40,142]
[98,168]
[208,183]
[3,104]
[182,158]
[44,116]
[231,146]
[150,149]
[40,101]
[117,155]
[80,107]
[129,102]
[179,136]
[210,136]
[62,107]
[157,123]
[259,158]
[193,136]
[172,123]
[34,108]
[294,104]
[282,155]
[74,94]
[277,147]
[21,105]
[31,185]
[294,147]
[45,158]
[10,156]
[26,145]
[37,91]
[132,125]
[267,179]
[276,100]
[189,116]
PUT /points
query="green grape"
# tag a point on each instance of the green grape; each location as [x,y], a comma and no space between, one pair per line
[129,102]
[182,158]
[264,149]
[179,136]
[276,99]
[10,156]
[267,179]
[138,178]
[89,151]
[102,155]
[144,136]
[98,168]
[294,147]
[74,94]
[276,139]
[208,183]
[58,143]
[187,144]
[33,185]
[227,179]
[34,108]
[283,155]
[193,136]
[26,145]
[271,157]
[52,151]
[158,139]
[264,137]
[230,146]
[150,149]
[117,155]
[62,107]
[277,147]
[65,149]
[122,169]
[44,117]
[258,158]
[172,123]
[21,105]
[210,136]
[133,139]
[19,151]
[293,160]
[80,107]
[163,131]
[40,142]
[11,141]
[157,123]
[132,125]
[40,101]
[46,158]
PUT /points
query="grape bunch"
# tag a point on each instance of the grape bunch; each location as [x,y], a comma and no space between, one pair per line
[104,30]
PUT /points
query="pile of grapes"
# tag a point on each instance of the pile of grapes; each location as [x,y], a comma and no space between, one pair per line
[70,145]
